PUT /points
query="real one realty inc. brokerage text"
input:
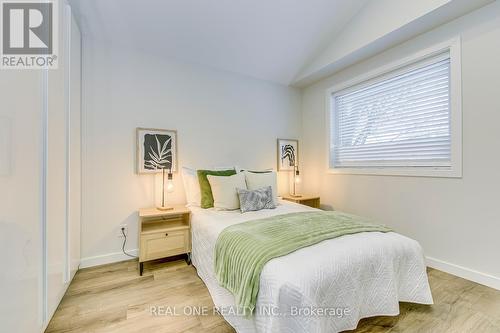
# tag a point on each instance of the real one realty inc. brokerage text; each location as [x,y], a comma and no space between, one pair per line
[292,311]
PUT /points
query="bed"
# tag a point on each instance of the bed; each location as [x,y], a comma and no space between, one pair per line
[326,287]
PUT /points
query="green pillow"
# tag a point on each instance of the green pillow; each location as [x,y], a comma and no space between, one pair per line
[207,198]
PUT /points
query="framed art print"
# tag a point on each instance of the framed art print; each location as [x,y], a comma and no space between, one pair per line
[156,150]
[288,154]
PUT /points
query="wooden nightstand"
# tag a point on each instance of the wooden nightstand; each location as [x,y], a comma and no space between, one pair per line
[164,233]
[308,200]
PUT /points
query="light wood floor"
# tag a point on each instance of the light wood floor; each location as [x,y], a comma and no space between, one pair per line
[114,298]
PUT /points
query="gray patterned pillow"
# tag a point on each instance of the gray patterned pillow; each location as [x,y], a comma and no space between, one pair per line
[261,198]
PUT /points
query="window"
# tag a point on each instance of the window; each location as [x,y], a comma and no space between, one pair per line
[399,122]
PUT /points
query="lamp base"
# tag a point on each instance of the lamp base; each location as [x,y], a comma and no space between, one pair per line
[164,208]
[296,195]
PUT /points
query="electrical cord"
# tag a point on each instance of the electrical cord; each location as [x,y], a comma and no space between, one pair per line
[125,242]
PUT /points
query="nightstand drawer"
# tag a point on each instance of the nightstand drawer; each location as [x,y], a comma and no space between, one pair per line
[164,244]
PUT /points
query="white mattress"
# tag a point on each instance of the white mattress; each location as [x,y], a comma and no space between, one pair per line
[361,275]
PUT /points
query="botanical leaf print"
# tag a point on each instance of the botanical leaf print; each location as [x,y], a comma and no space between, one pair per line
[158,151]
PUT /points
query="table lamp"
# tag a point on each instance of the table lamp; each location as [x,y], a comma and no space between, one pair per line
[296,180]
[169,188]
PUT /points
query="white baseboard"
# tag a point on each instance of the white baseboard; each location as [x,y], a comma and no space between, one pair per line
[463,272]
[107,258]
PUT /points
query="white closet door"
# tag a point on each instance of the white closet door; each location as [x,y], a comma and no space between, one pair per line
[63,176]
[56,176]
[40,185]
[75,149]
[21,174]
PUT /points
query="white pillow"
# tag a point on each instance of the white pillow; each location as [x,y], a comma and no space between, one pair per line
[191,186]
[224,190]
[257,180]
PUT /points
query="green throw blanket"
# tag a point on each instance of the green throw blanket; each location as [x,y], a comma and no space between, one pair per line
[243,249]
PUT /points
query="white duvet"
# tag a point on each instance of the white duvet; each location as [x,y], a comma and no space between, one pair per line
[326,287]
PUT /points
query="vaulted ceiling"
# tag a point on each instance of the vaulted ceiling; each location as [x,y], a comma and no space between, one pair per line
[266,39]
[292,42]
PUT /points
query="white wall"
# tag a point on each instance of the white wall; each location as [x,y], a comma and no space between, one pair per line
[455,220]
[222,119]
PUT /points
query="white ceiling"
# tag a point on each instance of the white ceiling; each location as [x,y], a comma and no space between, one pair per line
[266,39]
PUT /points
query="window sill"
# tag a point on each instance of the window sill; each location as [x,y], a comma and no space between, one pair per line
[408,172]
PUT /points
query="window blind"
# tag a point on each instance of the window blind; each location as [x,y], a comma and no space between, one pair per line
[400,120]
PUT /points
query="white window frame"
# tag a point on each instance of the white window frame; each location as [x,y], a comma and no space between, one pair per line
[452,46]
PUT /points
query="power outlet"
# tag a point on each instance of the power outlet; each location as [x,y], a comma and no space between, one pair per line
[125,229]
